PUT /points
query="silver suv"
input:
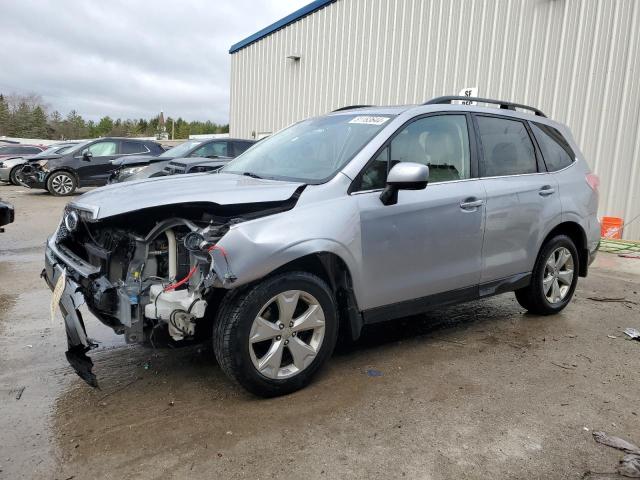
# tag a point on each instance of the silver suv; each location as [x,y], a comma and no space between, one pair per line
[363,215]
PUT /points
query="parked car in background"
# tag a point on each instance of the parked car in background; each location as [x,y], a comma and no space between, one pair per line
[140,167]
[19,150]
[7,214]
[360,216]
[9,167]
[194,165]
[88,164]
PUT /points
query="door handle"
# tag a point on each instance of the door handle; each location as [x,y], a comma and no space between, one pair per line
[546,191]
[471,203]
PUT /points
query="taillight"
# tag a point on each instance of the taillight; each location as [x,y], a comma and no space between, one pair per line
[594,181]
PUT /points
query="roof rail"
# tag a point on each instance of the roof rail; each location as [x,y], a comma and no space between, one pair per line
[504,105]
[351,107]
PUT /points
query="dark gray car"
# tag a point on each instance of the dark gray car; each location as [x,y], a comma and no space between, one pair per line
[87,164]
[356,217]
[138,168]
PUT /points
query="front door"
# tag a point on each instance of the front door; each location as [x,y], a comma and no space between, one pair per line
[96,170]
[430,242]
[522,198]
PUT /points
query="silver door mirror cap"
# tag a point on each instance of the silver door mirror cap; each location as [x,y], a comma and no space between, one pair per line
[409,176]
[404,176]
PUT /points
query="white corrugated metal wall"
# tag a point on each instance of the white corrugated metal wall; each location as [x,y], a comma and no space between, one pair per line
[577,60]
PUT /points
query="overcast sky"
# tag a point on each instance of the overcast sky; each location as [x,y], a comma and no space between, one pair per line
[129,59]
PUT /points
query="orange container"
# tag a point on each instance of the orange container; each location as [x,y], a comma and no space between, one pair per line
[611,227]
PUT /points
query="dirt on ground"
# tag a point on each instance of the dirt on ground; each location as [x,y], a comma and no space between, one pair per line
[481,390]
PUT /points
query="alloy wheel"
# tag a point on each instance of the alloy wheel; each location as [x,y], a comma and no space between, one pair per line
[62,184]
[287,334]
[558,275]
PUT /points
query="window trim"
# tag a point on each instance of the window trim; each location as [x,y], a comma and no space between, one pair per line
[473,153]
[540,165]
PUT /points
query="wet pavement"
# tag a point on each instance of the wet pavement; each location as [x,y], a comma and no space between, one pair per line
[480,390]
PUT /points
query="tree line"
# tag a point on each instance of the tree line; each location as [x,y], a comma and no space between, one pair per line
[27,116]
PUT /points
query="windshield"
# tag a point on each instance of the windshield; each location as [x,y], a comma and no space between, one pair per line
[180,150]
[311,151]
[56,150]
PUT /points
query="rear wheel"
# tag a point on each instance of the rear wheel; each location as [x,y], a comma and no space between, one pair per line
[61,183]
[274,336]
[554,278]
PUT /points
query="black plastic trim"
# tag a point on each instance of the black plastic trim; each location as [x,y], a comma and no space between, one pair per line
[503,104]
[452,297]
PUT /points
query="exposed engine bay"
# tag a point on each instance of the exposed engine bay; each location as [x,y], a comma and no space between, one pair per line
[150,273]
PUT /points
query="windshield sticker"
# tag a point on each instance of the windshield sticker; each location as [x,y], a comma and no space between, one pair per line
[369,120]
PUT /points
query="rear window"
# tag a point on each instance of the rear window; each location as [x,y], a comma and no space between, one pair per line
[133,147]
[19,150]
[555,149]
[506,147]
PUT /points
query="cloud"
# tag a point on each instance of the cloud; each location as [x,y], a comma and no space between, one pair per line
[129,59]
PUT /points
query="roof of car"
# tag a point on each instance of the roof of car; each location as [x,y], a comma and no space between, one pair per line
[505,108]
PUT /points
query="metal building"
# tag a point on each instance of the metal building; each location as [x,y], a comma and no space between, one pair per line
[577,60]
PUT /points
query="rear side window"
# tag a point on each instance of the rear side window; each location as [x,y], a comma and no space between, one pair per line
[507,148]
[30,150]
[555,149]
[240,147]
[133,147]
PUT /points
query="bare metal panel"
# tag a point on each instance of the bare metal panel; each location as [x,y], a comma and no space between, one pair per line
[577,60]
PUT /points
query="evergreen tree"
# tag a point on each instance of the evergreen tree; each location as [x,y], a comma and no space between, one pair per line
[38,125]
[5,116]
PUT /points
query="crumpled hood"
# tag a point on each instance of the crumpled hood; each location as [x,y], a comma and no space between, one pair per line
[217,188]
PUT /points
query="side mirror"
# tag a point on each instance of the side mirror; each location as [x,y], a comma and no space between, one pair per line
[87,155]
[404,176]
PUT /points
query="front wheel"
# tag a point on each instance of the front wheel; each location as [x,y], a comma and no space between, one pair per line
[61,184]
[554,278]
[273,337]
[13,175]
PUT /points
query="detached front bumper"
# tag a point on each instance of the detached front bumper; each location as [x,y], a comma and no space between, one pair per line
[71,298]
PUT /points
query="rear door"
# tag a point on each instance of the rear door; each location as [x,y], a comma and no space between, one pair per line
[522,197]
[97,169]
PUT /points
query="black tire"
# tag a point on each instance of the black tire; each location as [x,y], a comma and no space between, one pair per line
[13,180]
[533,297]
[235,318]
[61,183]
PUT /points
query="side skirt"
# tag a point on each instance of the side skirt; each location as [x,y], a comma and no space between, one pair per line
[453,297]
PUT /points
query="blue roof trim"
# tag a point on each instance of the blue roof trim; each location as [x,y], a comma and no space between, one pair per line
[289,19]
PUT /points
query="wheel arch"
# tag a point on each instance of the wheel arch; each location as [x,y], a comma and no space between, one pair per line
[63,169]
[576,233]
[331,268]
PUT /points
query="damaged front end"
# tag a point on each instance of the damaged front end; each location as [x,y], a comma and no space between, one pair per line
[142,271]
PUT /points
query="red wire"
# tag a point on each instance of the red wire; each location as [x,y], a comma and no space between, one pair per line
[218,247]
[173,286]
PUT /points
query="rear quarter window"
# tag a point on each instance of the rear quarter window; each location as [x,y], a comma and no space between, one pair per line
[556,152]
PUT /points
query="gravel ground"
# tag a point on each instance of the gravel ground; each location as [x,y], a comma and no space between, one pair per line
[480,390]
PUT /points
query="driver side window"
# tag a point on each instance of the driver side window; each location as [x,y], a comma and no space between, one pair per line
[103,149]
[441,142]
